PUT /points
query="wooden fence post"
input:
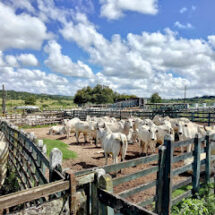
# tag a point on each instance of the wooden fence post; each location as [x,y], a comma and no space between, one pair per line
[159,186]
[105,183]
[72,192]
[167,177]
[208,159]
[56,158]
[209,119]
[196,165]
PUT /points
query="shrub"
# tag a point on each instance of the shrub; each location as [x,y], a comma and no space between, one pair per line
[203,204]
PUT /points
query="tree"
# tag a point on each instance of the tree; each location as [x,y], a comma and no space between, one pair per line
[155,98]
[100,94]
[30,100]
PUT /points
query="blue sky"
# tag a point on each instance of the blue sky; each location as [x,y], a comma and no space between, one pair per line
[134,46]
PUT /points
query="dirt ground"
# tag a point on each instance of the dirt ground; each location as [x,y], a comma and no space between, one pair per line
[89,156]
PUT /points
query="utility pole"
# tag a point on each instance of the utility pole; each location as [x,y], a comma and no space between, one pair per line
[185,93]
[3,100]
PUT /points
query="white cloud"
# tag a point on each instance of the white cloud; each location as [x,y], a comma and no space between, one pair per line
[28,60]
[36,81]
[20,31]
[11,60]
[21,4]
[114,9]
[193,8]
[147,62]
[183,26]
[183,10]
[63,64]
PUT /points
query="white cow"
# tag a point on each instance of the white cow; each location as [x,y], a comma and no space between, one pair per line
[112,143]
[147,138]
[82,127]
[162,131]
[70,125]
[57,130]
[188,131]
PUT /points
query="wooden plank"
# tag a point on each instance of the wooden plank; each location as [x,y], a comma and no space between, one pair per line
[182,183]
[137,189]
[38,172]
[85,179]
[130,163]
[28,195]
[183,143]
[121,205]
[105,183]
[134,176]
[208,160]
[182,196]
[196,165]
[121,165]
[159,187]
[167,184]
[147,202]
[182,169]
[182,157]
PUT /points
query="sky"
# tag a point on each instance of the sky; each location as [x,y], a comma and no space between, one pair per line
[133,46]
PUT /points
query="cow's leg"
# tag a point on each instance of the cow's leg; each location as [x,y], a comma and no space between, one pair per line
[85,137]
[77,133]
[106,158]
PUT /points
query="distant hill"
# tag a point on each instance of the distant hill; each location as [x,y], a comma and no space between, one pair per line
[11,94]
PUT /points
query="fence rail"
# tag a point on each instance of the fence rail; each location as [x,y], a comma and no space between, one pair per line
[27,156]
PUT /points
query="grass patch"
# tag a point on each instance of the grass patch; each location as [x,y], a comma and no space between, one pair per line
[67,154]
[37,126]
[181,190]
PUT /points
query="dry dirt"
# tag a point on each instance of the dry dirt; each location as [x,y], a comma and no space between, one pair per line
[89,156]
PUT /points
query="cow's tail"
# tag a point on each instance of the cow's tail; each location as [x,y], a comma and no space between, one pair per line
[124,146]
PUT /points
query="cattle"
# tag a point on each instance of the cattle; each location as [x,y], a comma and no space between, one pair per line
[162,131]
[147,138]
[57,130]
[82,127]
[112,143]
[70,125]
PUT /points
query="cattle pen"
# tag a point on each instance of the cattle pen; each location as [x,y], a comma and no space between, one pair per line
[91,191]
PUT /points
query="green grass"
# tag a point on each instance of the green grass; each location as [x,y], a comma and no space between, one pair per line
[67,154]
[36,126]
[181,190]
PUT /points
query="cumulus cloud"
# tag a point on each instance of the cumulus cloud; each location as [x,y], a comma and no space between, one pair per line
[63,64]
[193,8]
[157,61]
[11,60]
[35,81]
[114,9]
[183,26]
[20,60]
[183,10]
[28,60]
[20,31]
[20,4]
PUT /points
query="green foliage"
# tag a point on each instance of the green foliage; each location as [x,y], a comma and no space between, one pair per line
[100,94]
[11,183]
[13,95]
[204,204]
[67,154]
[30,100]
[36,126]
[155,98]
[181,190]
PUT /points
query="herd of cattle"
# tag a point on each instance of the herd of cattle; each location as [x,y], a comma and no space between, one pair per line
[114,135]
